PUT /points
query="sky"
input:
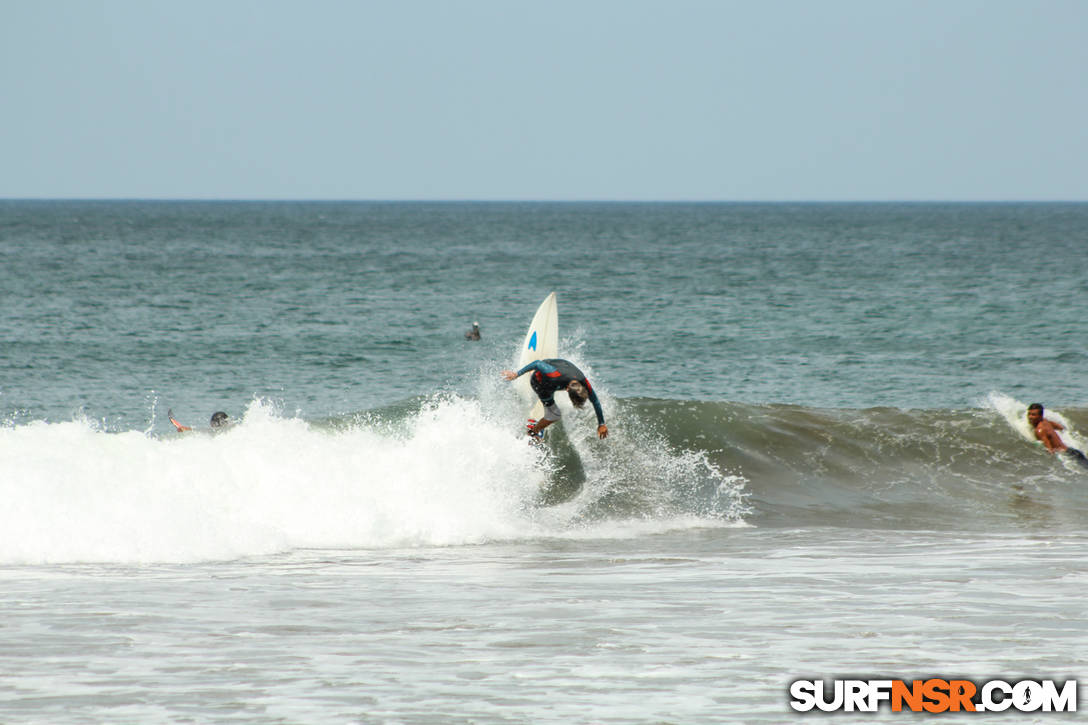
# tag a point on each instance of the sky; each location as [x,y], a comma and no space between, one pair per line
[614,100]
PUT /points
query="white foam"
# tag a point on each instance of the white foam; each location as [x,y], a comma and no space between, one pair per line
[74,493]
[1015,414]
[457,472]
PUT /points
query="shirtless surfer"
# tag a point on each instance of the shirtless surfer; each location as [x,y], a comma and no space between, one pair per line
[1047,432]
[550,376]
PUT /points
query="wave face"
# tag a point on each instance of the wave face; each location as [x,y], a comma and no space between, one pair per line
[885,467]
[449,471]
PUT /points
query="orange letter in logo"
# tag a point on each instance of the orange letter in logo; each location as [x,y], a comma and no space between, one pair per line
[961,692]
[911,695]
[936,691]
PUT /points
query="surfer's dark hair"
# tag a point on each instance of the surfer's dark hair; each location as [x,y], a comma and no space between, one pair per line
[1036,406]
[218,418]
[577,393]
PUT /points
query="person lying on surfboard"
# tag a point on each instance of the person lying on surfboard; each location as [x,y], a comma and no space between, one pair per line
[1047,432]
[550,376]
[219,420]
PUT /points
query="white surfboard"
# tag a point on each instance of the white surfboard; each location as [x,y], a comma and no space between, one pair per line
[541,342]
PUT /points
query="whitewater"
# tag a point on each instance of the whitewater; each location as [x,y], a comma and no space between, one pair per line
[447,473]
[451,471]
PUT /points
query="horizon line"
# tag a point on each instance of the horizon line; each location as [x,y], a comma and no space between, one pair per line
[409,200]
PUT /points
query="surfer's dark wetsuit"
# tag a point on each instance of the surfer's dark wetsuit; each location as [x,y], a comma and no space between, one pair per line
[1077,456]
[552,375]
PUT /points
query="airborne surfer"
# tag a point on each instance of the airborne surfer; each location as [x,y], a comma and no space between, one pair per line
[1047,432]
[550,376]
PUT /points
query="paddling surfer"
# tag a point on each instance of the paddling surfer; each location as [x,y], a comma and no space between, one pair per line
[219,420]
[1047,432]
[550,376]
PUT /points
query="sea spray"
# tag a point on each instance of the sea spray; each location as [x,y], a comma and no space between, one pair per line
[446,471]
[451,470]
[636,474]
[268,484]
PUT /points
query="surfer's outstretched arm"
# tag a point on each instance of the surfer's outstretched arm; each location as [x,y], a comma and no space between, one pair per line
[538,365]
[602,429]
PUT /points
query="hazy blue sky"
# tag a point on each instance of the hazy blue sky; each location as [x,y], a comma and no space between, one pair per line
[504,99]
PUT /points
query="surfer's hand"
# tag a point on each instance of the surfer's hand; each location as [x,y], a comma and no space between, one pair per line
[602,431]
[509,374]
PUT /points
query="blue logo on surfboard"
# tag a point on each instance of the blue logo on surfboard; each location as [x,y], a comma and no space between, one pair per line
[532,341]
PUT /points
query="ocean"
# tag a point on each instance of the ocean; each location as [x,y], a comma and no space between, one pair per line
[818,466]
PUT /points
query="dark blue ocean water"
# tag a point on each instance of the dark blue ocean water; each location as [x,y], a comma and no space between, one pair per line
[331,308]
